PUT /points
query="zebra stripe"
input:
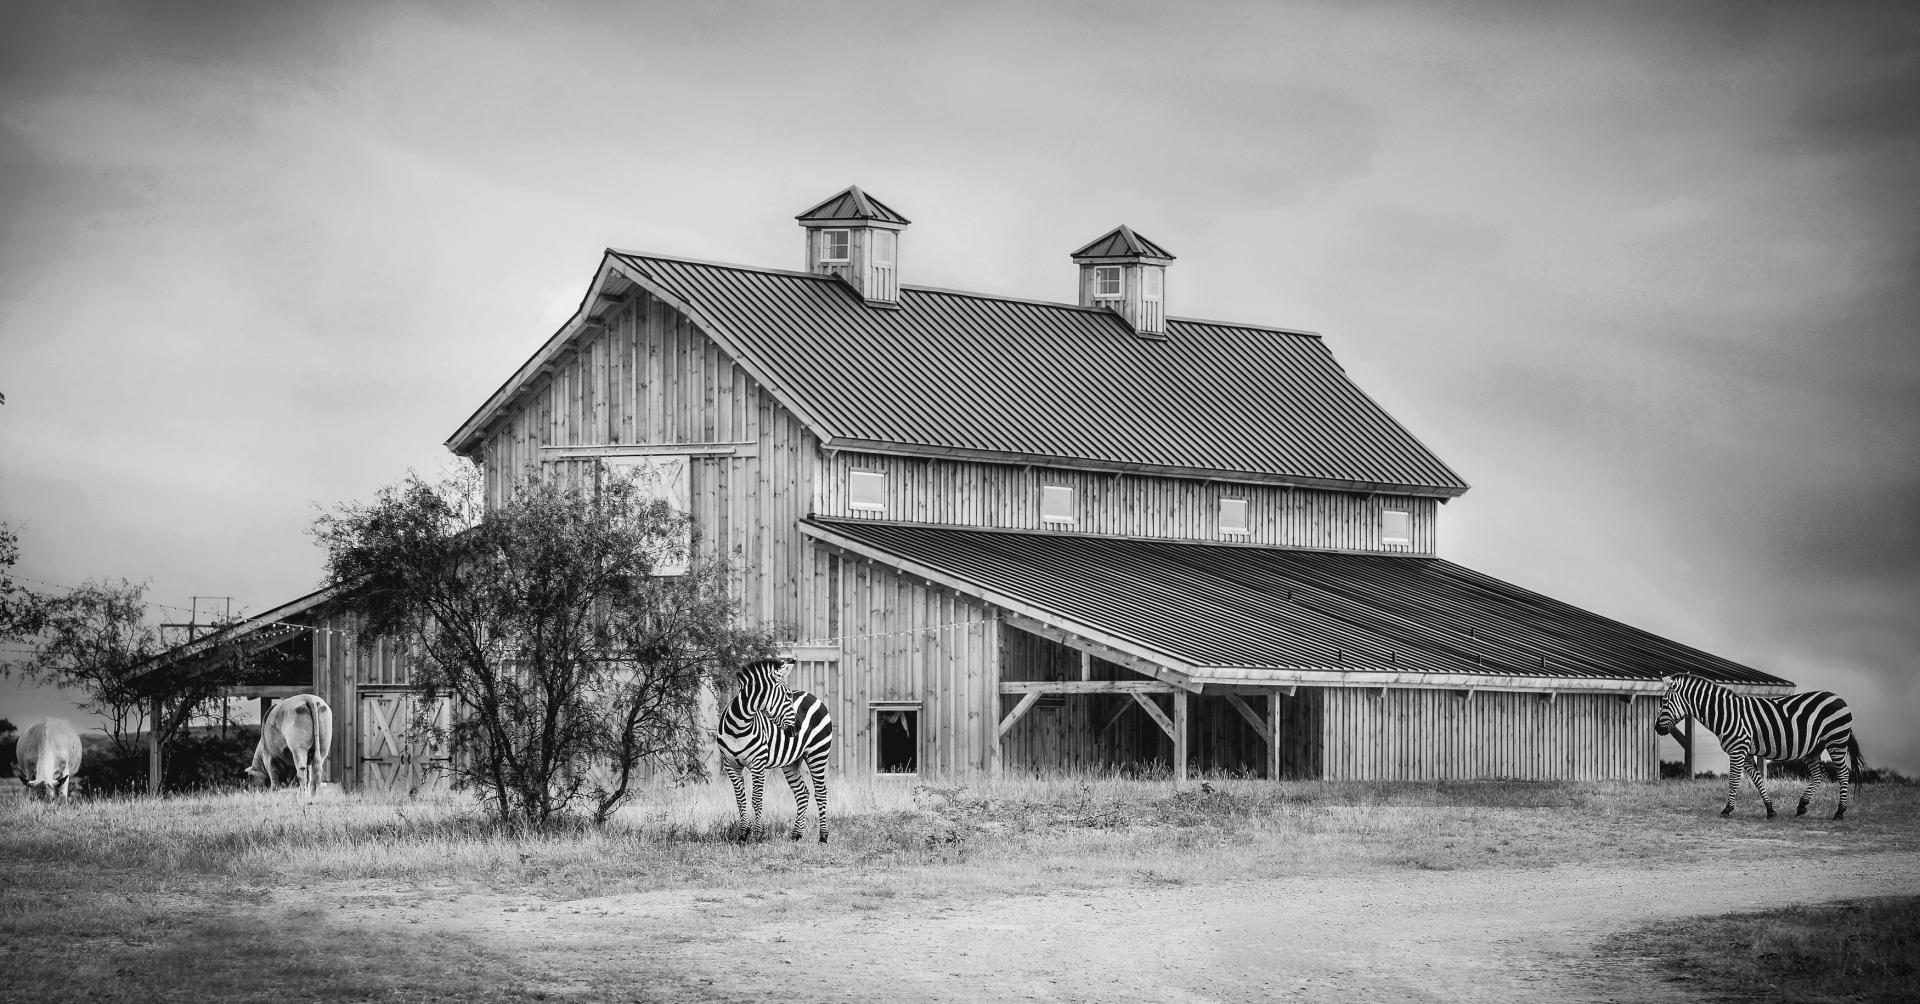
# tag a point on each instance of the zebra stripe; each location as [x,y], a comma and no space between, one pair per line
[1752,729]
[768,724]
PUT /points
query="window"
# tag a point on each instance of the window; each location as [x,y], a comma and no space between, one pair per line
[867,491]
[1150,280]
[883,247]
[665,479]
[896,738]
[1396,527]
[835,245]
[1233,515]
[1106,282]
[1056,504]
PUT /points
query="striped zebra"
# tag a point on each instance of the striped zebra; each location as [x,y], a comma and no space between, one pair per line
[1798,727]
[769,725]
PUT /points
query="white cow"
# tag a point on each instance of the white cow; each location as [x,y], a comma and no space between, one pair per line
[47,757]
[300,729]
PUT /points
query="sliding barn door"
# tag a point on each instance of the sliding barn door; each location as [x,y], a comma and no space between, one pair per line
[392,758]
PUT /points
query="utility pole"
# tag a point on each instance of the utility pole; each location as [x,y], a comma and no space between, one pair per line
[156,760]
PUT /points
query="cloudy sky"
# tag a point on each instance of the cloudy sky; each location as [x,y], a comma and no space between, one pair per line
[1648,277]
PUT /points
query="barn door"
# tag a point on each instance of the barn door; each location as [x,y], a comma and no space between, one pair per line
[390,758]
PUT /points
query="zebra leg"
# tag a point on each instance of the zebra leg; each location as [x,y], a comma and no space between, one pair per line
[732,767]
[1816,771]
[759,783]
[1736,769]
[794,781]
[818,771]
[1843,768]
[1759,775]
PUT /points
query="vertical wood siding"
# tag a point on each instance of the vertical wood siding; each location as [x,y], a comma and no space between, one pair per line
[902,641]
[969,493]
[650,377]
[1431,735]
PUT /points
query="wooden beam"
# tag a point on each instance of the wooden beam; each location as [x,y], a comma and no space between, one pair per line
[262,690]
[652,450]
[1166,724]
[156,760]
[1121,710]
[1240,704]
[1086,687]
[1179,738]
[1086,665]
[1018,710]
[1137,663]
[1273,728]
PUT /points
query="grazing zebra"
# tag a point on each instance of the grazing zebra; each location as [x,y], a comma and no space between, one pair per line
[1799,727]
[769,725]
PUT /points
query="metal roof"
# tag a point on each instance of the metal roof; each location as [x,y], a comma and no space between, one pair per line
[1215,607]
[853,204]
[1019,380]
[1122,242]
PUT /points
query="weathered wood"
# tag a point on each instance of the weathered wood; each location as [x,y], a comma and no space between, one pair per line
[1086,687]
[1239,704]
[156,757]
[1273,735]
[276,692]
[1018,710]
[1180,738]
[1159,716]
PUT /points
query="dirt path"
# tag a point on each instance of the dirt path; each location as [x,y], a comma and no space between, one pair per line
[1440,936]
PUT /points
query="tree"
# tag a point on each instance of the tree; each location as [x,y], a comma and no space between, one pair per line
[570,665]
[20,608]
[96,640]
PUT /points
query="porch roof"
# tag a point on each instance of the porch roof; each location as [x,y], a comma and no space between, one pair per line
[1238,615]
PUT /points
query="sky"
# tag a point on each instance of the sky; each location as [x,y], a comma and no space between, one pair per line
[1647,276]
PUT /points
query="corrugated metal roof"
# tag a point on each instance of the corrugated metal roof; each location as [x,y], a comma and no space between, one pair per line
[1050,382]
[1121,242]
[853,204]
[1261,608]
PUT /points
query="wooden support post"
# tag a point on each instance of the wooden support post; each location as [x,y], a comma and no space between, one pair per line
[1686,747]
[1086,665]
[1273,729]
[155,758]
[1269,731]
[1152,709]
[1007,722]
[1179,739]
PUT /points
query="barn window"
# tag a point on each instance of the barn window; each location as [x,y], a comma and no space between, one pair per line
[1150,280]
[896,738]
[883,247]
[662,479]
[1056,504]
[1396,527]
[836,245]
[1233,516]
[867,491]
[1106,282]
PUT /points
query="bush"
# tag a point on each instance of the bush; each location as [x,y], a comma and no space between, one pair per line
[195,762]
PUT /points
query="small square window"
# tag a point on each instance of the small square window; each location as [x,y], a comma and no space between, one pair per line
[1056,504]
[896,739]
[867,491]
[1233,516]
[1396,527]
[1106,282]
[835,245]
[883,247]
[1150,280]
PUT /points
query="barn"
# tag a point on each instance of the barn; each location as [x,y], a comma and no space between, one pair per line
[1019,535]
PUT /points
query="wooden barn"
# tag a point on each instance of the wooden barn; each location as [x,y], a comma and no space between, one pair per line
[1011,534]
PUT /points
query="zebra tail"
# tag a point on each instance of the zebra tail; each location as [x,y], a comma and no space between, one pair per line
[1853,750]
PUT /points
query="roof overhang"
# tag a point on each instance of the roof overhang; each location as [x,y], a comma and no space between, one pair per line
[245,637]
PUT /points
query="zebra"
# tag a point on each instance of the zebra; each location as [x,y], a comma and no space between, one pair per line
[1797,727]
[769,725]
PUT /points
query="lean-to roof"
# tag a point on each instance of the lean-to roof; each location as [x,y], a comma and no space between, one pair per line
[1233,614]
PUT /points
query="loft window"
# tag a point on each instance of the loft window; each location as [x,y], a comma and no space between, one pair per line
[660,479]
[896,738]
[1106,282]
[1396,527]
[1150,280]
[883,247]
[1233,516]
[1056,504]
[836,245]
[867,491]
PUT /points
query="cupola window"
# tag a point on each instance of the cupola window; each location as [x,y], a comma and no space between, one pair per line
[1106,282]
[836,245]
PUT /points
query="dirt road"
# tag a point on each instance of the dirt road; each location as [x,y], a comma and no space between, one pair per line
[1468,935]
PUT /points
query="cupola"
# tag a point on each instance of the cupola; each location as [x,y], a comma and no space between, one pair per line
[1126,273]
[856,237]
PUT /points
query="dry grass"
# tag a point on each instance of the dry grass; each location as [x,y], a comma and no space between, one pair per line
[139,896]
[1855,951]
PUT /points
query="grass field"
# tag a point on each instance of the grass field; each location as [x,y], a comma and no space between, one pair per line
[134,899]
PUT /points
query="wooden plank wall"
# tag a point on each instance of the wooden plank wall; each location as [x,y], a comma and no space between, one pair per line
[968,493]
[903,641]
[1427,735]
[341,667]
[651,377]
